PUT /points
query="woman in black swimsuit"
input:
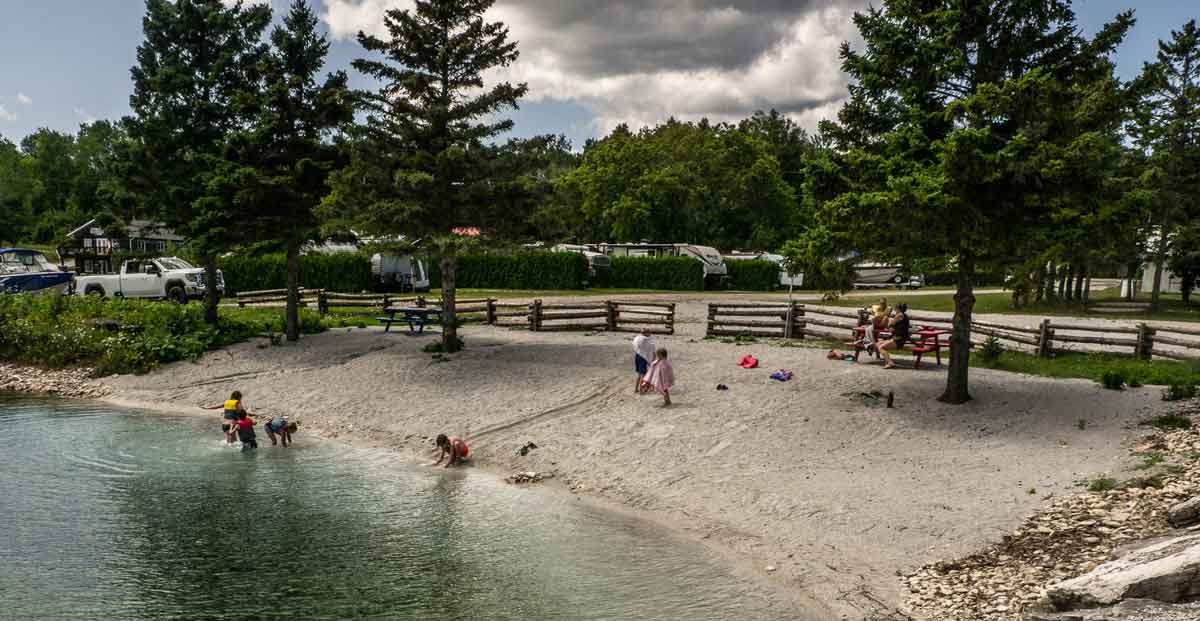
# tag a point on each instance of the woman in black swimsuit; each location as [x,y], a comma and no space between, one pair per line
[901,330]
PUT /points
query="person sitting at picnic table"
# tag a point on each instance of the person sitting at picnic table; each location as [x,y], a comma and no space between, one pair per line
[879,314]
[901,330]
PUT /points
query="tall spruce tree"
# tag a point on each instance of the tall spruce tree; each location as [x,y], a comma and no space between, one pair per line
[420,166]
[195,83]
[943,139]
[1167,127]
[276,170]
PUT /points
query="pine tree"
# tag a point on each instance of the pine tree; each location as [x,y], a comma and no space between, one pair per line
[276,170]
[420,166]
[944,138]
[194,84]
[1167,127]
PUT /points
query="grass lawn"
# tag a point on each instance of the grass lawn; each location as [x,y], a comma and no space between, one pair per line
[1092,366]
[1174,308]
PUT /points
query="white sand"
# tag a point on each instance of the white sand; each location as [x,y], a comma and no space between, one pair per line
[836,493]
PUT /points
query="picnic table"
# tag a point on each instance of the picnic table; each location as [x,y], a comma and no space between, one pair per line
[416,318]
[920,342]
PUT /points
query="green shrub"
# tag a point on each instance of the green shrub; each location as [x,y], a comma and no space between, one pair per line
[1168,421]
[521,270]
[1102,485]
[665,273]
[753,275]
[122,336]
[991,350]
[343,272]
[1113,380]
[950,279]
[1179,392]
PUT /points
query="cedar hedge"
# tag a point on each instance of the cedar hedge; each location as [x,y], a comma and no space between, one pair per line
[523,270]
[753,275]
[346,273]
[665,273]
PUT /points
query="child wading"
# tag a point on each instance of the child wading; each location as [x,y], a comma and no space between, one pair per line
[643,353]
[453,446]
[282,428]
[233,407]
[661,376]
[245,431]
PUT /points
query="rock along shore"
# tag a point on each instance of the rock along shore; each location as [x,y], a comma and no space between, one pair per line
[66,383]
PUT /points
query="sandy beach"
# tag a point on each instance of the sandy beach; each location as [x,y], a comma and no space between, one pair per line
[817,488]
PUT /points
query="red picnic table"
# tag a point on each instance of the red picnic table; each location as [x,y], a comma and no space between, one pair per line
[921,342]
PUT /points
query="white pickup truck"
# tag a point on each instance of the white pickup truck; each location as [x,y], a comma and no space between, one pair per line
[168,278]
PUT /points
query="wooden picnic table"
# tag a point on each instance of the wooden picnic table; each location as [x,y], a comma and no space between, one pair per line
[921,342]
[416,318]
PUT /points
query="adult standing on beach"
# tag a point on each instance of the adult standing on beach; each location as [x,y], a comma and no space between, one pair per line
[644,348]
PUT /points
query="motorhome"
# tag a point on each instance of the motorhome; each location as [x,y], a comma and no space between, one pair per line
[785,279]
[715,271]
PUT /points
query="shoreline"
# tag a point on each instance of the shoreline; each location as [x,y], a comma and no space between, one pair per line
[823,496]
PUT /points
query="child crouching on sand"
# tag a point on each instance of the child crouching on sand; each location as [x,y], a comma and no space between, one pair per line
[661,376]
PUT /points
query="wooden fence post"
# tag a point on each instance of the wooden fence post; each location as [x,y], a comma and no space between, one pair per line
[386,300]
[712,317]
[420,301]
[1144,349]
[610,309]
[671,319]
[803,323]
[322,302]
[535,316]
[1045,340]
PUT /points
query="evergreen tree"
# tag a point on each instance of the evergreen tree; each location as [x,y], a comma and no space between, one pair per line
[1167,127]
[276,170]
[420,166]
[195,82]
[954,120]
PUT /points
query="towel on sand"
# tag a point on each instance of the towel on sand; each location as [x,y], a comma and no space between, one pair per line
[748,362]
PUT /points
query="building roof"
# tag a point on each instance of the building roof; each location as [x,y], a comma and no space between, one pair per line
[142,229]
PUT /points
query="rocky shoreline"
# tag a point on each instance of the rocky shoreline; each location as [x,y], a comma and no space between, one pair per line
[74,383]
[1047,568]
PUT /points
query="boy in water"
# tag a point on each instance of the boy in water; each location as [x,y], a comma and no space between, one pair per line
[282,428]
[661,376]
[454,447]
[643,353]
[232,406]
[245,431]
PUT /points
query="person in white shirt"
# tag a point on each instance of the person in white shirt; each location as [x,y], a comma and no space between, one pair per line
[644,348]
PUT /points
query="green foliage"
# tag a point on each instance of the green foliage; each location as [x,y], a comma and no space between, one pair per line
[1179,392]
[753,275]
[663,273]
[991,350]
[1102,485]
[1113,380]
[120,336]
[1168,421]
[342,272]
[1093,366]
[943,278]
[523,270]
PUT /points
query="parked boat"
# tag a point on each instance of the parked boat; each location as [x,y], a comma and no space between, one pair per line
[23,270]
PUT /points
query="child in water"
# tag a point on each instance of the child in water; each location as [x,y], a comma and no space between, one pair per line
[282,428]
[661,376]
[454,447]
[232,406]
[245,431]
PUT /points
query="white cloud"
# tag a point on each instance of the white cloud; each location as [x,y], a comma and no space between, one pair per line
[5,115]
[642,61]
[87,117]
[24,99]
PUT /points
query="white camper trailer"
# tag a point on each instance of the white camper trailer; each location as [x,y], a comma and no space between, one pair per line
[401,271]
[715,271]
[785,280]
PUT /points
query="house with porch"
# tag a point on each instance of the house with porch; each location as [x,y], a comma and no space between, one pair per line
[89,249]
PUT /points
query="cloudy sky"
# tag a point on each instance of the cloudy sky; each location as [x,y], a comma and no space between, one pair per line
[590,64]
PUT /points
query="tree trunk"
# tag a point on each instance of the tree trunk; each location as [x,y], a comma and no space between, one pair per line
[293,291]
[211,296]
[449,319]
[1069,289]
[1062,282]
[1188,282]
[1079,277]
[1051,274]
[1039,284]
[1160,258]
[960,339]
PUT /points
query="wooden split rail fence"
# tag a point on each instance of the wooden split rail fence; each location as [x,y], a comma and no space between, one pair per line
[1050,336]
[607,316]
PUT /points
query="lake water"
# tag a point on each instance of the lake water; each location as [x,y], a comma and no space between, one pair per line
[107,513]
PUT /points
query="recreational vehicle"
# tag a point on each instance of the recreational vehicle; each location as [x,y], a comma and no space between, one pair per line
[598,262]
[785,280]
[715,271]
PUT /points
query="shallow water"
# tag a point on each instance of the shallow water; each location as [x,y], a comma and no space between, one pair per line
[109,513]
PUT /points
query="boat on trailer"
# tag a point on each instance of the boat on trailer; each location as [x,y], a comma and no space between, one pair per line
[23,270]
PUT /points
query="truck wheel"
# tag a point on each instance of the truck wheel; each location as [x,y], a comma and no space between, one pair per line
[94,290]
[177,294]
